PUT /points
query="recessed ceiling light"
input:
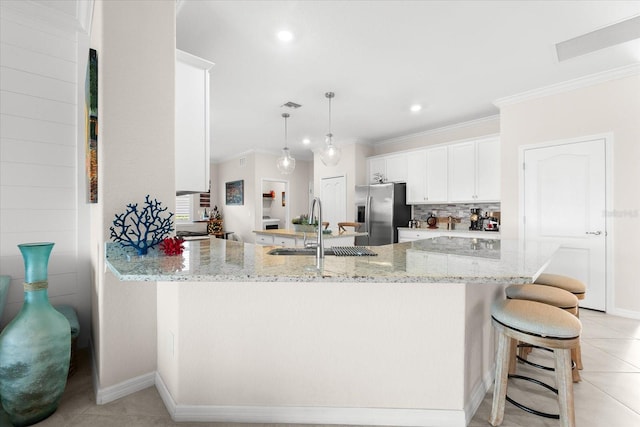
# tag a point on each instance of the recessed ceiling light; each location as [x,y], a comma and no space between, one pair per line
[415,108]
[285,36]
[306,141]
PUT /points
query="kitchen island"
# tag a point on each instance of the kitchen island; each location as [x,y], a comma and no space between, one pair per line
[401,338]
[292,238]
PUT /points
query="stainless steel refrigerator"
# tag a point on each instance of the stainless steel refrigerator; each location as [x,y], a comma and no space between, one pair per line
[382,209]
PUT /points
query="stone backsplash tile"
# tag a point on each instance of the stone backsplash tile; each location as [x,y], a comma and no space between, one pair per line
[461,211]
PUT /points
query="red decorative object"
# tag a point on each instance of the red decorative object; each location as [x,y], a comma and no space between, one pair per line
[172,245]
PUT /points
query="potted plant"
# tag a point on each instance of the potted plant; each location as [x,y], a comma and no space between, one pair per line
[301,224]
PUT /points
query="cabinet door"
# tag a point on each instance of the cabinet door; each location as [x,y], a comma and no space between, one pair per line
[377,165]
[462,172]
[288,242]
[417,177]
[192,123]
[264,239]
[436,175]
[396,167]
[488,170]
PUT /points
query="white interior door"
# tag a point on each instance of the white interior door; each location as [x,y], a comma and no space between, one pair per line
[565,202]
[333,194]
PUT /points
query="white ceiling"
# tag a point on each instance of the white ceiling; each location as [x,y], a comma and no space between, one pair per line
[380,57]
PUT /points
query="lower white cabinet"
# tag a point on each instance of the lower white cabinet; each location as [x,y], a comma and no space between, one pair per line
[299,242]
[263,239]
[290,242]
[411,234]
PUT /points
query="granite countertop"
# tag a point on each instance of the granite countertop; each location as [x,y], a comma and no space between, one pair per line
[441,259]
[283,232]
[459,230]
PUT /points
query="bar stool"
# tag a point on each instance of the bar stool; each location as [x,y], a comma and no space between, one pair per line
[538,324]
[575,286]
[547,295]
[567,283]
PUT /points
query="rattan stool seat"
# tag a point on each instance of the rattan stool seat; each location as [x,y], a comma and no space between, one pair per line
[545,294]
[575,286]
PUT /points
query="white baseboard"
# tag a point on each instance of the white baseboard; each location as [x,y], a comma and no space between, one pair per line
[309,415]
[125,388]
[478,394]
[631,314]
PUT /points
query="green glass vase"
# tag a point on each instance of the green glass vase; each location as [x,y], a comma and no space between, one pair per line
[35,347]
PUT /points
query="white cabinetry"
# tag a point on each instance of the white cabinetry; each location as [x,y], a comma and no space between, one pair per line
[192,123]
[409,235]
[474,171]
[289,242]
[264,239]
[488,172]
[427,176]
[392,168]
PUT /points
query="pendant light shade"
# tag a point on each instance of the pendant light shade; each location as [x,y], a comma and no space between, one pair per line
[330,154]
[286,164]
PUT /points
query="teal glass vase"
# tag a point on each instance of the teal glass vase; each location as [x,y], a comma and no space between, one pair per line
[35,347]
[5,282]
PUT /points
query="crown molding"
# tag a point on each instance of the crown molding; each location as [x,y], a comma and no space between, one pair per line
[437,130]
[579,83]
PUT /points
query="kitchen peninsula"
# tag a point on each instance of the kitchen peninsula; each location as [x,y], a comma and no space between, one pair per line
[401,338]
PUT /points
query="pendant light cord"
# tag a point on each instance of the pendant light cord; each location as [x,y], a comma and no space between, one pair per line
[286,116]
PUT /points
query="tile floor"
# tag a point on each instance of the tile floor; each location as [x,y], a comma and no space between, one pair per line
[608,396]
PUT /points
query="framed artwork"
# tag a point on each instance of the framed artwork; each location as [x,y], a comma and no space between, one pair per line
[234,194]
[91,117]
[284,199]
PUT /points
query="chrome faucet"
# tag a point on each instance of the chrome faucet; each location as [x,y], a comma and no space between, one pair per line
[319,239]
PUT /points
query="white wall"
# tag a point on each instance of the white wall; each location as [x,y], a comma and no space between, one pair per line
[612,106]
[252,168]
[42,176]
[135,41]
[352,165]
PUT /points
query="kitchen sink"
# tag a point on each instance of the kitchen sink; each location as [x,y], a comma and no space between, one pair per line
[336,250]
[298,251]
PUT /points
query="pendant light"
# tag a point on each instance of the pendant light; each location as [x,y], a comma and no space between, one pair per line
[286,164]
[330,154]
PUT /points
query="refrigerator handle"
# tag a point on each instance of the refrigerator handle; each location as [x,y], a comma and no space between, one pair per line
[367,216]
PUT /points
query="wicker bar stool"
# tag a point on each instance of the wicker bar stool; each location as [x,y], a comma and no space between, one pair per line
[538,324]
[575,286]
[547,295]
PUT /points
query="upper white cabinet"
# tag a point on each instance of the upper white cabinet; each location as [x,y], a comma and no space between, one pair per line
[392,168]
[192,123]
[488,172]
[474,171]
[427,176]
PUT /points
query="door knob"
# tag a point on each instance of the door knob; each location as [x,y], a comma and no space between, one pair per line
[595,233]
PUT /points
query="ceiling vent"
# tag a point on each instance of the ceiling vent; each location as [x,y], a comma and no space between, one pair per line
[292,105]
[599,39]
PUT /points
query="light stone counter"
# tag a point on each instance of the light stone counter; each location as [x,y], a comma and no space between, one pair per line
[403,338]
[441,259]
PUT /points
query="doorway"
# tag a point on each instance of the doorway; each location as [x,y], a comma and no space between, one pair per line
[275,204]
[333,194]
[564,188]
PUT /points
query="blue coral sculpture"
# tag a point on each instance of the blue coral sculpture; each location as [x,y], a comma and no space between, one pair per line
[143,229]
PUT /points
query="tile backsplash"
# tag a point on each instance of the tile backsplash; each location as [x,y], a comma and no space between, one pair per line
[462,211]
